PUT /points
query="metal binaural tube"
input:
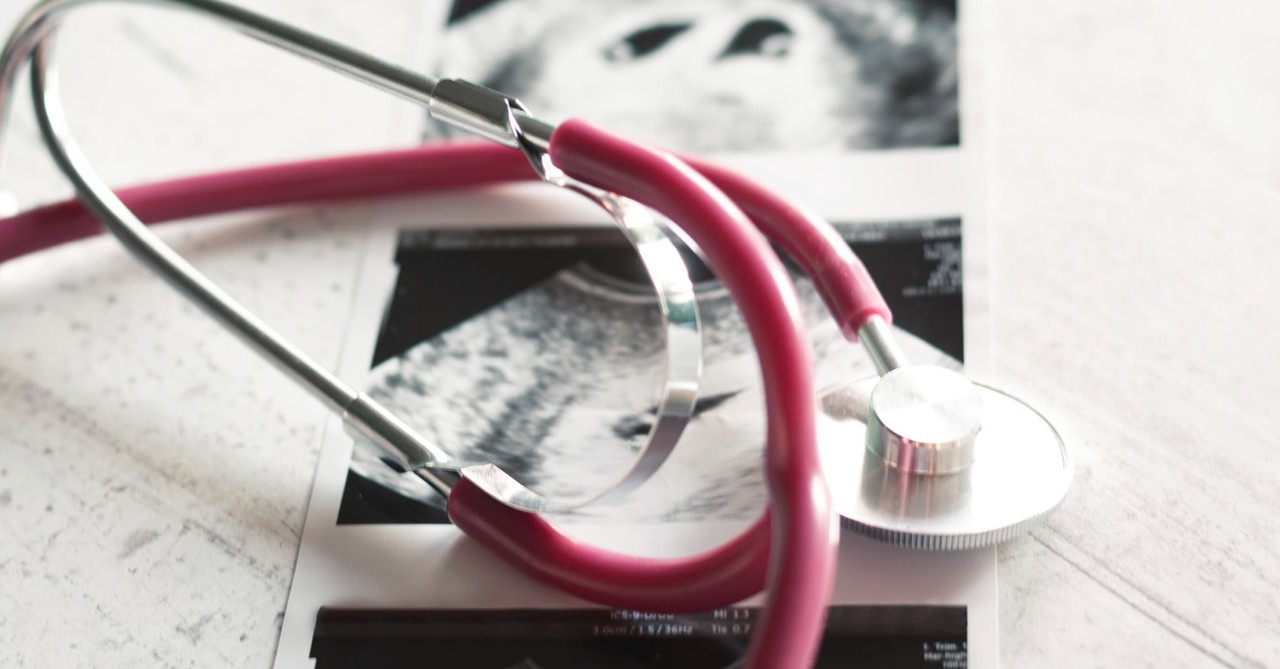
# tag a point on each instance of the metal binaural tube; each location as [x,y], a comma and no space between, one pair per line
[177,272]
[31,40]
[482,111]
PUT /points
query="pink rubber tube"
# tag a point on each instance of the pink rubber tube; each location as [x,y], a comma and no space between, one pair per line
[717,578]
[800,582]
[805,526]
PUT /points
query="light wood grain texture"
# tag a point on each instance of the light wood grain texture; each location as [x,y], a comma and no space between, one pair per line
[1134,168]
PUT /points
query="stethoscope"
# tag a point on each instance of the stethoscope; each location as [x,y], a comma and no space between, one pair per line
[924,457]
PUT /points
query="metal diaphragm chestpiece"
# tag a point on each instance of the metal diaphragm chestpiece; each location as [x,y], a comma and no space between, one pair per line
[923,457]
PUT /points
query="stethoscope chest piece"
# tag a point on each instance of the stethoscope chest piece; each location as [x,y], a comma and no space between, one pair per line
[922,457]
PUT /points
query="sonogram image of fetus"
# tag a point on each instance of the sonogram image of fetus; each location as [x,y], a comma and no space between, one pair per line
[557,385]
[722,75]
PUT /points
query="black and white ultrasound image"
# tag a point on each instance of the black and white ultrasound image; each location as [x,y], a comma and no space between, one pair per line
[721,75]
[540,349]
[886,637]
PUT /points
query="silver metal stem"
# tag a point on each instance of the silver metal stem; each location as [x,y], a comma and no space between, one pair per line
[877,338]
[921,419]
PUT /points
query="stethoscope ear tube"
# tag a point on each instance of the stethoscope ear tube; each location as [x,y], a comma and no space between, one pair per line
[802,570]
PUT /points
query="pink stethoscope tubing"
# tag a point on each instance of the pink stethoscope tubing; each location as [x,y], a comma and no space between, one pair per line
[792,546]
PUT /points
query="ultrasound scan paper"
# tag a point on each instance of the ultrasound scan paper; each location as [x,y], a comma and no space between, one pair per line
[513,324]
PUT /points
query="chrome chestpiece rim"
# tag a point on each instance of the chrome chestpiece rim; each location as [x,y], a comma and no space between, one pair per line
[1021,470]
[921,456]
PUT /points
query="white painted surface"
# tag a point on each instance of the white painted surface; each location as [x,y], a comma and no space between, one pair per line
[1135,168]
[153,474]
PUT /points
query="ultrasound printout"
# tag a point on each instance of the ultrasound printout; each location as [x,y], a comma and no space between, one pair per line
[513,325]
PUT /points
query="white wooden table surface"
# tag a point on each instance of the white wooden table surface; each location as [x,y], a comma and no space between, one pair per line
[154,476]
